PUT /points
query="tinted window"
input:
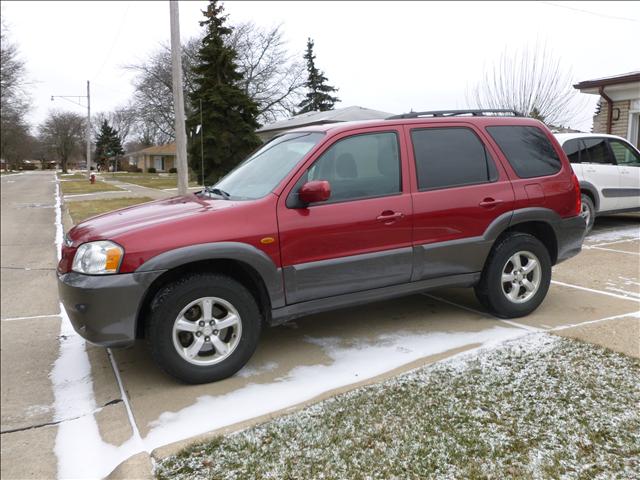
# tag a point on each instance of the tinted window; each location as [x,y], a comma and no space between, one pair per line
[572,149]
[597,151]
[624,154]
[359,167]
[447,157]
[527,149]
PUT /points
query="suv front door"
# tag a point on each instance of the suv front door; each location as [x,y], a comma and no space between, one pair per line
[360,238]
[628,161]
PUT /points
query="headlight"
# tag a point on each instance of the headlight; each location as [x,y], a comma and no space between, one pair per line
[98,258]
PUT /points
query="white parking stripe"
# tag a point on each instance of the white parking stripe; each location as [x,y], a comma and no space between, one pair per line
[616,251]
[485,314]
[601,292]
[12,319]
[617,241]
[635,314]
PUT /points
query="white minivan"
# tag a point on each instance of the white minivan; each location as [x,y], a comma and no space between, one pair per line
[608,168]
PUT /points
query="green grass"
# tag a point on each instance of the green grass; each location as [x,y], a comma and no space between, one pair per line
[73,187]
[150,180]
[539,407]
[73,176]
[81,210]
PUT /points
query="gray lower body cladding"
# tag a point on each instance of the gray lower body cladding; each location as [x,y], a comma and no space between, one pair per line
[104,308]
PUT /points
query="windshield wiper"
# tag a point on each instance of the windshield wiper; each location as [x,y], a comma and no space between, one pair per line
[217,191]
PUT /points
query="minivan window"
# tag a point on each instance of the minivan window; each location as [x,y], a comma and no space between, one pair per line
[528,150]
[572,149]
[361,166]
[596,151]
[624,154]
[450,157]
[264,170]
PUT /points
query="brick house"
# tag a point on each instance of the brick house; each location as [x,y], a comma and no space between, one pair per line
[619,106]
[160,157]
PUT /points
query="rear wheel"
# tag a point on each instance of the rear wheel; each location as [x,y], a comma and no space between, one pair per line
[516,276]
[203,328]
[588,211]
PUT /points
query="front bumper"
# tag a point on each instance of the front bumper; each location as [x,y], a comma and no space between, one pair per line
[104,308]
[570,233]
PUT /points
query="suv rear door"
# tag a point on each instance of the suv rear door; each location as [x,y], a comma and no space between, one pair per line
[459,189]
[599,168]
[628,161]
[361,237]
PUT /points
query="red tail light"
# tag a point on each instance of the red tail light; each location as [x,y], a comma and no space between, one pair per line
[576,189]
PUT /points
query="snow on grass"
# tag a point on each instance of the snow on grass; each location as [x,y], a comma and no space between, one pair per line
[535,407]
[350,364]
[614,235]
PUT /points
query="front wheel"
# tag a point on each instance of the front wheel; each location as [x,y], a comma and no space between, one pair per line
[203,328]
[516,277]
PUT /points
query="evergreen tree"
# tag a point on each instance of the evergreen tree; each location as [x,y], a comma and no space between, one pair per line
[107,144]
[319,95]
[229,114]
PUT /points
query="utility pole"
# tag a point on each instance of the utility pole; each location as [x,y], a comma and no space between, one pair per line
[201,144]
[178,100]
[88,97]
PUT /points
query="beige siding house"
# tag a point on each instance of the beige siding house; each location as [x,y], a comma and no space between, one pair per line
[619,107]
[161,157]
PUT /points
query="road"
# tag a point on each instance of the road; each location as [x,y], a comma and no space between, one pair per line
[87,411]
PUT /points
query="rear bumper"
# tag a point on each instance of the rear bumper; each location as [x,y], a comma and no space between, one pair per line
[104,309]
[570,233]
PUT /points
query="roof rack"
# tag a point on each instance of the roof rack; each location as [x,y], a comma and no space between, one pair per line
[454,113]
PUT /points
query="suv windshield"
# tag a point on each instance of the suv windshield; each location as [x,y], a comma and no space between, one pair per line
[262,171]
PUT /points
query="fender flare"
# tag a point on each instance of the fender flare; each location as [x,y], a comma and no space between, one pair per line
[591,188]
[242,252]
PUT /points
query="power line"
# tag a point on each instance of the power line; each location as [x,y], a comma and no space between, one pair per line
[603,15]
[115,40]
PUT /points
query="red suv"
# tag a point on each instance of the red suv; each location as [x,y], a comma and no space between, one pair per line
[326,217]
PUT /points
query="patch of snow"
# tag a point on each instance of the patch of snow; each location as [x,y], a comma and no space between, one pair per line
[616,235]
[351,364]
[247,372]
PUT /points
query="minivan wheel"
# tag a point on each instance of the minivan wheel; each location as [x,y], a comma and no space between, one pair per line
[588,211]
[203,328]
[516,276]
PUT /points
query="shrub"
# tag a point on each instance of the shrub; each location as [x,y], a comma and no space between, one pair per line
[173,170]
[151,170]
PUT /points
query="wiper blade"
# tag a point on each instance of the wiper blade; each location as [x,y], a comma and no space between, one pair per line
[217,191]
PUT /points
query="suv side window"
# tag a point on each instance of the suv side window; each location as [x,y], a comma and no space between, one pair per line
[361,166]
[596,151]
[450,157]
[572,148]
[527,149]
[624,154]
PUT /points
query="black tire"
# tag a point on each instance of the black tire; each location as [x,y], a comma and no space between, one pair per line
[489,290]
[172,299]
[591,214]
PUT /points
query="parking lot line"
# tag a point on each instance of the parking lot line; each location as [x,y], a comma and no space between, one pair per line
[13,319]
[615,317]
[615,295]
[613,250]
[485,314]
[614,242]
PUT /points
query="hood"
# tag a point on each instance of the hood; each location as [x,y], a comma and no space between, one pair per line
[139,217]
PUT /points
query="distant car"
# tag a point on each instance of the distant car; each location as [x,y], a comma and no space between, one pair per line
[608,168]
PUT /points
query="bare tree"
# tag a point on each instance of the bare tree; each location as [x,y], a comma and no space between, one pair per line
[271,77]
[63,133]
[14,103]
[531,81]
[122,119]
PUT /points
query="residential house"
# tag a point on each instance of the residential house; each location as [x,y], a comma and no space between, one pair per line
[160,157]
[619,107]
[346,114]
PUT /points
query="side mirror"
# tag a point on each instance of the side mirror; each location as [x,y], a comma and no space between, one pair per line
[315,191]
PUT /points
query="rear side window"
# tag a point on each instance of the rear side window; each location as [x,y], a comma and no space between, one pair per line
[527,149]
[624,154]
[450,157]
[596,151]
[572,149]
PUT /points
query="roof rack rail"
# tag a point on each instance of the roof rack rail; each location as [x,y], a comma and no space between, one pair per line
[453,113]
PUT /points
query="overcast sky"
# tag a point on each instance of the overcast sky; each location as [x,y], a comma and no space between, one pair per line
[391,56]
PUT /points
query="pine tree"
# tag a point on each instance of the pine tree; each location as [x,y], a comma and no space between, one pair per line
[229,114]
[318,97]
[107,144]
